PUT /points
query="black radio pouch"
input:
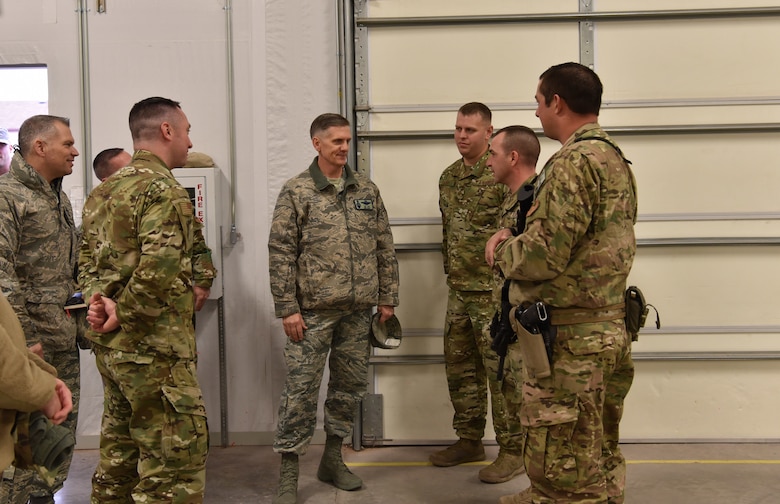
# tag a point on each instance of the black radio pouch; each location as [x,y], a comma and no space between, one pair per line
[636,312]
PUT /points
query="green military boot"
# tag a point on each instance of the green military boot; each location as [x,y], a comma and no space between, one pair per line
[288,480]
[464,450]
[504,468]
[332,468]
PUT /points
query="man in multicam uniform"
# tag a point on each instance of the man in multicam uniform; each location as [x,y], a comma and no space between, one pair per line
[38,247]
[144,266]
[513,155]
[27,384]
[110,161]
[470,200]
[575,254]
[332,260]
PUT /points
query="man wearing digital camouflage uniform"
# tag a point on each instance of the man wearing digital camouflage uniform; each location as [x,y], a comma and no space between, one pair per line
[38,247]
[144,266]
[331,260]
[575,255]
[469,200]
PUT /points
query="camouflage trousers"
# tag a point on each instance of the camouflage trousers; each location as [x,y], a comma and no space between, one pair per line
[572,418]
[471,368]
[154,436]
[345,336]
[512,389]
[19,485]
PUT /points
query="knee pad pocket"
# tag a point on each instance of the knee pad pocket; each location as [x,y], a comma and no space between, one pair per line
[550,445]
[185,434]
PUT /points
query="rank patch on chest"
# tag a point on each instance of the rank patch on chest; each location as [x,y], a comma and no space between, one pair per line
[533,208]
[364,204]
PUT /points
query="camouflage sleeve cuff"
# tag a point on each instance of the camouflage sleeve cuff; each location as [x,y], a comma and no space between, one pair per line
[388,301]
[286,309]
[204,283]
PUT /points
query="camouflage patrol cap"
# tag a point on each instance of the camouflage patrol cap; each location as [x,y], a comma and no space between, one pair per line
[198,160]
[5,138]
[385,334]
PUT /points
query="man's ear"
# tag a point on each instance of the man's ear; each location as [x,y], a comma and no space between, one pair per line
[39,147]
[558,104]
[316,143]
[166,130]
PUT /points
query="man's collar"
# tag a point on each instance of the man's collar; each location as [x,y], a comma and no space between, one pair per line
[321,182]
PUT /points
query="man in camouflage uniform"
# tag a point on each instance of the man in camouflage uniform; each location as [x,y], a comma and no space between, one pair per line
[331,261]
[513,155]
[27,385]
[575,255]
[110,161]
[470,200]
[144,266]
[38,248]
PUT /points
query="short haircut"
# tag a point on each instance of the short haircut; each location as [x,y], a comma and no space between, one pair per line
[324,121]
[577,84]
[102,163]
[473,108]
[147,115]
[523,140]
[38,126]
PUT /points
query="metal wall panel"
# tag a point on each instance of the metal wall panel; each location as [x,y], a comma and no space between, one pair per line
[691,95]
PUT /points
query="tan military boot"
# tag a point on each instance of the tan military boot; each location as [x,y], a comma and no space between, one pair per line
[464,450]
[523,497]
[504,468]
[288,480]
[332,468]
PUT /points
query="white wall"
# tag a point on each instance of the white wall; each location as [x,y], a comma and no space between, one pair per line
[285,74]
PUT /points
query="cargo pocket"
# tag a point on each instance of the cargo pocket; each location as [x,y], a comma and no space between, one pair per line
[550,451]
[185,434]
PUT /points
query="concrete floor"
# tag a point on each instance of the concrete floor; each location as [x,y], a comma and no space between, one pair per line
[657,474]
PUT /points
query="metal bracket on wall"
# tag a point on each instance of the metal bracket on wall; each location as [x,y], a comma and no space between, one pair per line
[587,27]
[362,157]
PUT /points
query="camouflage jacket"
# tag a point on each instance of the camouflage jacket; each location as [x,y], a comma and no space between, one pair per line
[329,250]
[142,246]
[579,244]
[38,248]
[470,202]
[507,218]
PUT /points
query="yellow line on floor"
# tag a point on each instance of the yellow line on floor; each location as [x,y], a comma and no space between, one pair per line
[758,462]
[423,464]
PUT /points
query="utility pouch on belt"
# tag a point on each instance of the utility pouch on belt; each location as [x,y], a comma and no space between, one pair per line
[533,347]
[636,312]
